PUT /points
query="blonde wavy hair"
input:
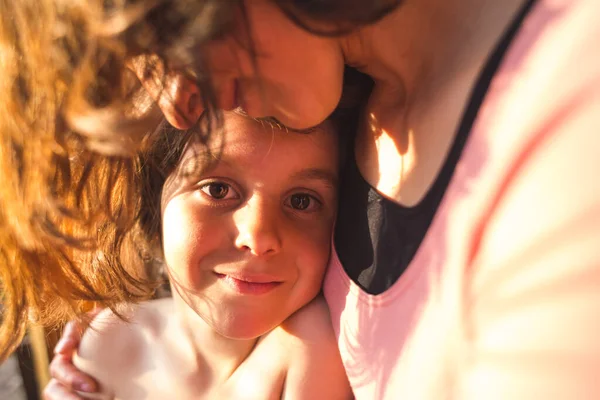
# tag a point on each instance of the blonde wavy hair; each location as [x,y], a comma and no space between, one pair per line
[77,132]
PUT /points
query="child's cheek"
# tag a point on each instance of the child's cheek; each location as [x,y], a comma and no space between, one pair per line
[315,249]
[192,238]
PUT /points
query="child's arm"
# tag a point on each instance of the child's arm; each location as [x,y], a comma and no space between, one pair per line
[315,366]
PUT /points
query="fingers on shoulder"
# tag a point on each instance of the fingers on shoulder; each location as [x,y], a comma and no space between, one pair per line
[66,378]
[56,390]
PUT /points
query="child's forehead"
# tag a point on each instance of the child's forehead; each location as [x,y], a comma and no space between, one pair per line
[245,143]
[238,120]
[242,136]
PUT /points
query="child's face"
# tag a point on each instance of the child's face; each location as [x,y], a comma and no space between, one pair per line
[247,241]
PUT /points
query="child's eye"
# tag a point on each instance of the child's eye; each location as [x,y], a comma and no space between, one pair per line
[303,202]
[219,191]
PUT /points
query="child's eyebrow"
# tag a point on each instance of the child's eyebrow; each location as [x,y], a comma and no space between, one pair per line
[327,177]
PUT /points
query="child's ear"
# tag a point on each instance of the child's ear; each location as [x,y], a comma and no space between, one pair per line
[177,96]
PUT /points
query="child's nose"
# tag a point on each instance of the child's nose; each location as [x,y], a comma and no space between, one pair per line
[258,228]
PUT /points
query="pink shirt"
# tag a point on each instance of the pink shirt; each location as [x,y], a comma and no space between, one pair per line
[502,299]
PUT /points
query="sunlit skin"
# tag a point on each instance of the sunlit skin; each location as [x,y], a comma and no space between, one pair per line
[263,213]
[393,156]
[424,58]
[245,243]
[423,64]
[297,80]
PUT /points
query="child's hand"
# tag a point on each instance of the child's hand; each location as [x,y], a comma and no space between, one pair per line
[66,379]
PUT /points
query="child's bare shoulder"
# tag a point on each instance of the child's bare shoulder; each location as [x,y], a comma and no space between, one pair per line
[111,346]
[315,368]
[311,324]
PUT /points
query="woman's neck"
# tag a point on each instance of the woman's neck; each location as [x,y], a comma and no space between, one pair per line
[217,357]
[424,59]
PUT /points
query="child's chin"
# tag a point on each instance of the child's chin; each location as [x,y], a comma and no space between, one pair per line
[246,331]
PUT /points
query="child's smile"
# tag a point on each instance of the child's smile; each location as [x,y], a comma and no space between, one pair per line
[252,284]
[247,240]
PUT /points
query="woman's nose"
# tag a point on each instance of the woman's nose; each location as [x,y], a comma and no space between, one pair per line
[176,94]
[258,228]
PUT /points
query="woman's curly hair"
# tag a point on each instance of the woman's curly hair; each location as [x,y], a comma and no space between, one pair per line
[73,116]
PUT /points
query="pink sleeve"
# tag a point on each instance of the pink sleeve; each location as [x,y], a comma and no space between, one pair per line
[532,294]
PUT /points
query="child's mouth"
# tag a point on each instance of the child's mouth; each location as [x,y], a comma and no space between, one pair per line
[251,285]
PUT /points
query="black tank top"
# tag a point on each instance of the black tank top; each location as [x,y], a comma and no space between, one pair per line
[376,238]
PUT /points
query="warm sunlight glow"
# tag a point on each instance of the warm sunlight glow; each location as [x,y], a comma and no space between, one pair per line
[394,162]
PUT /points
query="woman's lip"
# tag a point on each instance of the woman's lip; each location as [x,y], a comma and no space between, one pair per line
[252,284]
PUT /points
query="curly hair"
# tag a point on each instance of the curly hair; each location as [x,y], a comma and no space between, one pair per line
[74,116]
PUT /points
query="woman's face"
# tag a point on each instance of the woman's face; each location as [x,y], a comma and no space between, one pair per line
[246,241]
[297,79]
